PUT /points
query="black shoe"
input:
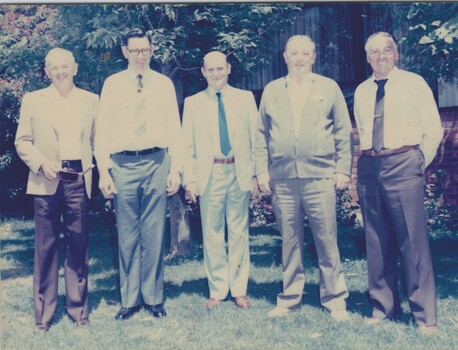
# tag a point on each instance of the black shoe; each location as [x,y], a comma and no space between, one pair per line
[127,312]
[156,310]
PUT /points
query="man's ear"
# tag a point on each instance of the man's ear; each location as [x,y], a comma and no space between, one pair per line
[75,69]
[47,73]
[125,52]
[229,68]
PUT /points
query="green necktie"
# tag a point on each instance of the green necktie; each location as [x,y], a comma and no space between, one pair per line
[223,133]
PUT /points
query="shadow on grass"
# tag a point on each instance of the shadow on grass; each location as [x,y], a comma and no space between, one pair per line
[265,252]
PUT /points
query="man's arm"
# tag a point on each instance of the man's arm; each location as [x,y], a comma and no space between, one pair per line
[174,139]
[24,141]
[430,119]
[189,178]
[343,133]
[101,141]
[261,152]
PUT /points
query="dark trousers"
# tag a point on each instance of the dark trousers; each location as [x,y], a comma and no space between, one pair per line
[70,202]
[391,194]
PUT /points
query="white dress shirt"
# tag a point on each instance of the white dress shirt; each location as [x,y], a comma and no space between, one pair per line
[68,126]
[410,115]
[132,120]
[298,93]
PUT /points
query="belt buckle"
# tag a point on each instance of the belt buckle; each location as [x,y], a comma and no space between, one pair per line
[374,153]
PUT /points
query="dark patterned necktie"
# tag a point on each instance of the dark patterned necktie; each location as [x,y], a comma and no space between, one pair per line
[377,131]
[140,83]
[223,133]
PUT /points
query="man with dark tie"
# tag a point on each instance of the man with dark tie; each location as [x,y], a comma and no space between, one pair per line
[304,152]
[218,126]
[138,151]
[400,130]
[54,139]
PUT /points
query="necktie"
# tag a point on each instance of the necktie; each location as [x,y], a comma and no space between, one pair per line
[140,84]
[223,133]
[377,131]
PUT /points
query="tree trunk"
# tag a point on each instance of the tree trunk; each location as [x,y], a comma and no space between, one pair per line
[180,233]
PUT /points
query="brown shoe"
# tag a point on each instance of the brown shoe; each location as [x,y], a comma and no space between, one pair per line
[427,330]
[212,303]
[83,322]
[373,320]
[242,302]
[42,327]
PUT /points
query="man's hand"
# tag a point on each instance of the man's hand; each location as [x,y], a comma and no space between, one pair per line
[106,185]
[263,183]
[173,183]
[254,187]
[191,192]
[341,181]
[50,169]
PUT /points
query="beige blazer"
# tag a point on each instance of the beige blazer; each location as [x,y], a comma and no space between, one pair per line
[37,140]
[200,119]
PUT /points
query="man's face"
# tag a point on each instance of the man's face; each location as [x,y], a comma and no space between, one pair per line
[216,70]
[382,56]
[138,53]
[61,69]
[299,56]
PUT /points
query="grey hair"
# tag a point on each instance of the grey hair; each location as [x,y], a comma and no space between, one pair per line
[381,34]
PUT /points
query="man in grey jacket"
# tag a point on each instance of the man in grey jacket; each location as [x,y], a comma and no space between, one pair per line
[304,152]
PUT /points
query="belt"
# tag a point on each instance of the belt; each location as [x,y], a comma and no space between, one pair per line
[386,152]
[224,161]
[75,164]
[141,152]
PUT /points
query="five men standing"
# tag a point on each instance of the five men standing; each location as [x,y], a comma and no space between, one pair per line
[218,129]
[299,148]
[400,130]
[304,153]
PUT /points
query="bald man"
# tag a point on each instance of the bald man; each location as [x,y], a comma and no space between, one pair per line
[303,152]
[55,140]
[218,128]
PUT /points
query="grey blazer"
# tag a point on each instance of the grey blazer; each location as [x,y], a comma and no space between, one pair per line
[324,143]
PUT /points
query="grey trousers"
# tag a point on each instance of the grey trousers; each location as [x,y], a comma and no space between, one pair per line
[391,194]
[141,205]
[292,199]
[70,202]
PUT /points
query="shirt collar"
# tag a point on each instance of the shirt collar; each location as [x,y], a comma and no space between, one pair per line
[212,92]
[57,93]
[308,79]
[392,74]
[133,74]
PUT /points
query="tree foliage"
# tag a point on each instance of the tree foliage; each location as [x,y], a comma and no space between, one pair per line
[182,34]
[432,40]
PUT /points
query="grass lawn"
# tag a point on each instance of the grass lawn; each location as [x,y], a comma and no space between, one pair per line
[189,326]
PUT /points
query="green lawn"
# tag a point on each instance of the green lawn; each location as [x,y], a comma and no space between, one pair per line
[189,326]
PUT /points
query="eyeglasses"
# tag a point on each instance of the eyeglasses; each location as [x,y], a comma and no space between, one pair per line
[136,52]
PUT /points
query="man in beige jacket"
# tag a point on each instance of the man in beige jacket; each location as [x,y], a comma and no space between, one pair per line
[54,139]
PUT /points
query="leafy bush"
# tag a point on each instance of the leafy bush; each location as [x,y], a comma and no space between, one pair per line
[442,218]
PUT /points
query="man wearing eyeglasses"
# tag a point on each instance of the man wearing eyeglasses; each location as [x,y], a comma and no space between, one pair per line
[54,137]
[138,151]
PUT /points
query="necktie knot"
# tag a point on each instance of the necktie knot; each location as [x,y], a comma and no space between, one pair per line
[140,83]
[218,94]
[381,83]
